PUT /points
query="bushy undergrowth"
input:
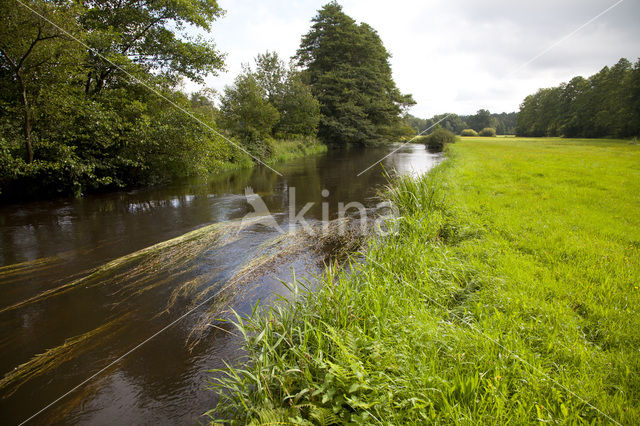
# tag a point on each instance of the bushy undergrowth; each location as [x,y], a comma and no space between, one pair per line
[290,148]
[508,295]
[487,132]
[468,132]
[438,139]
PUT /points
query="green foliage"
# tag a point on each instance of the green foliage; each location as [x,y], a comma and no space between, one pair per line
[468,132]
[438,139]
[504,123]
[605,104]
[507,295]
[247,114]
[348,70]
[299,109]
[487,131]
[72,122]
[481,120]
[34,54]
[417,124]
[271,73]
[451,122]
[148,36]
[271,101]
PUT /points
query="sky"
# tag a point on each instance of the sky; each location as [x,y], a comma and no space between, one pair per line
[452,56]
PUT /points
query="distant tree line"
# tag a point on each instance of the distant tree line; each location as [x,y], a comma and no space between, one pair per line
[504,123]
[607,104]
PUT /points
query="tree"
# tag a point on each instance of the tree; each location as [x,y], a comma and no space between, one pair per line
[417,124]
[348,70]
[271,73]
[505,123]
[633,100]
[299,110]
[72,121]
[481,120]
[148,35]
[449,121]
[31,48]
[601,106]
[247,113]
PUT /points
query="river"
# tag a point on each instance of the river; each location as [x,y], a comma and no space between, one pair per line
[85,281]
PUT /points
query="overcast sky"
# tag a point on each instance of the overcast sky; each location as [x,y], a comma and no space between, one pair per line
[452,55]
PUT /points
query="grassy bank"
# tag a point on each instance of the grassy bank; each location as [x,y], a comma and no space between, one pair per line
[289,149]
[508,295]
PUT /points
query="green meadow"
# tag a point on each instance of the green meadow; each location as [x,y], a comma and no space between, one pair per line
[508,294]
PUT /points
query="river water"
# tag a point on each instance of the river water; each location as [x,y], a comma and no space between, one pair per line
[84,282]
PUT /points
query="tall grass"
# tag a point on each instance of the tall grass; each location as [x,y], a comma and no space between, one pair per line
[509,294]
[289,149]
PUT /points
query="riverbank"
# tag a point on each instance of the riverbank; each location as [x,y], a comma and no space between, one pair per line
[509,294]
[29,185]
[290,149]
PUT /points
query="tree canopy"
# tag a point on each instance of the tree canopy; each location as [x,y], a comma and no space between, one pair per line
[148,35]
[71,117]
[268,101]
[348,69]
[504,123]
[607,104]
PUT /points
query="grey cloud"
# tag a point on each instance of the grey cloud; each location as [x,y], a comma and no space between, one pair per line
[473,48]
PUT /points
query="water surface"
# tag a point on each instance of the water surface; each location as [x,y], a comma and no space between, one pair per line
[67,324]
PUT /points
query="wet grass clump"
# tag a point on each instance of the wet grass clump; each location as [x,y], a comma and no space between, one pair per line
[51,359]
[509,294]
[324,244]
[147,268]
[289,149]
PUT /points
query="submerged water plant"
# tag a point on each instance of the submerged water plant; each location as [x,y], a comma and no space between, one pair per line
[52,358]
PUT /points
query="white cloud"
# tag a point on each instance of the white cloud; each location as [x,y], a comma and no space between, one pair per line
[454,56]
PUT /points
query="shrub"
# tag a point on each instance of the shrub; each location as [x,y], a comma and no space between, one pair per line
[488,131]
[439,138]
[468,132]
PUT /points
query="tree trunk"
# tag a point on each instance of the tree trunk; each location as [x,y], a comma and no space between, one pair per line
[27,120]
[87,86]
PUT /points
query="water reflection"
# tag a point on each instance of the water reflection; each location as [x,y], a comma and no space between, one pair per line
[64,240]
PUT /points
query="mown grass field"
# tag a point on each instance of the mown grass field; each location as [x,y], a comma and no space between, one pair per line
[509,294]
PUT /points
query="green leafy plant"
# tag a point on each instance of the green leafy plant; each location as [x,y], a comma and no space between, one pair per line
[438,139]
[487,132]
[506,296]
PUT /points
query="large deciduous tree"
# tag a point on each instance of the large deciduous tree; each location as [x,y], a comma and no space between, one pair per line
[35,50]
[72,118]
[270,100]
[149,34]
[247,113]
[285,90]
[481,120]
[348,70]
